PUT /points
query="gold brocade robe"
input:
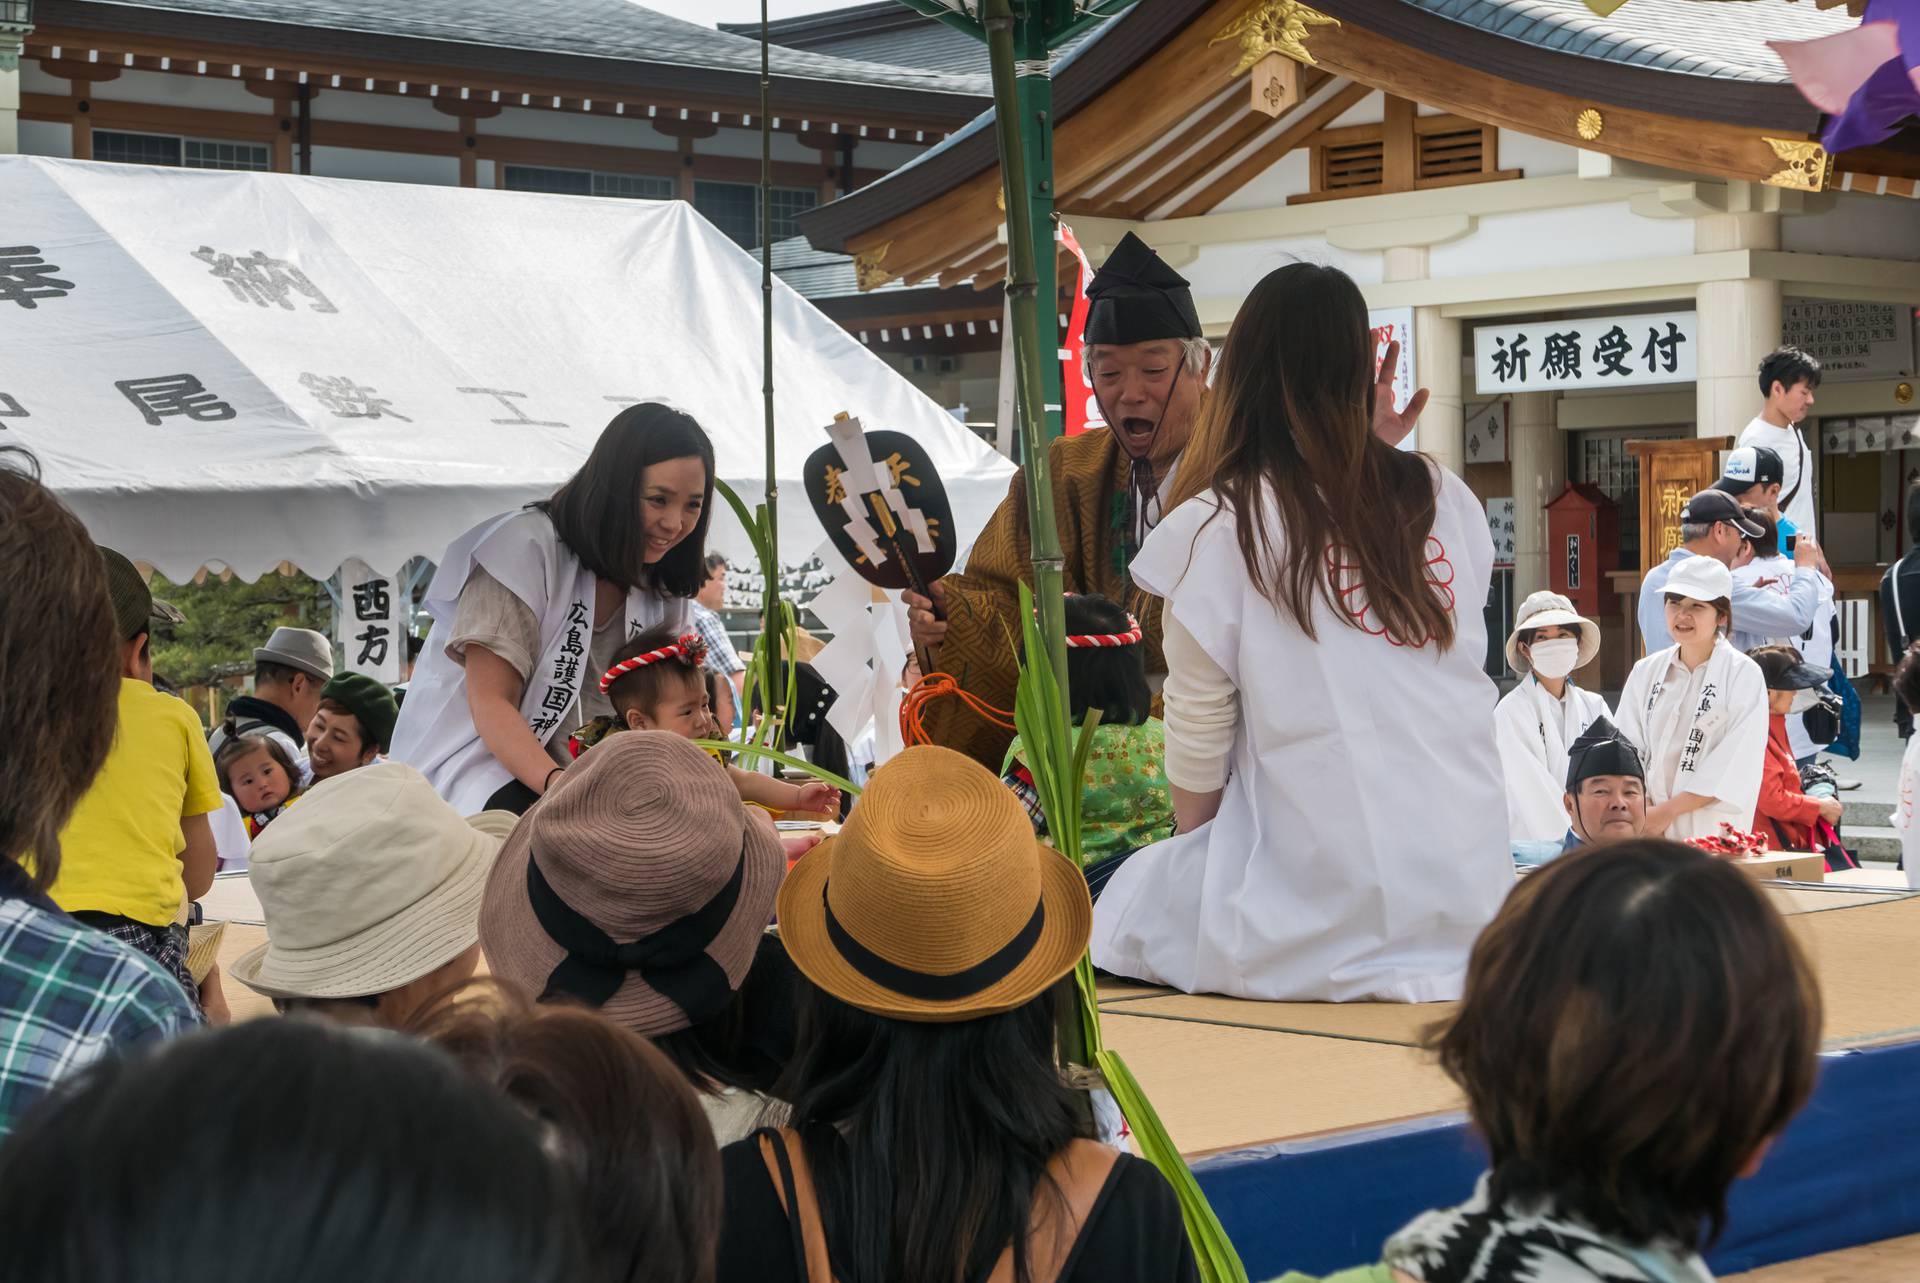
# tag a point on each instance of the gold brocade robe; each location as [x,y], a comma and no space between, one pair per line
[1089,474]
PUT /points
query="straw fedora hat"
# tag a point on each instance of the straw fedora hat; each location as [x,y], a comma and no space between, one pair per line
[935,902]
[637,885]
[368,883]
[1542,609]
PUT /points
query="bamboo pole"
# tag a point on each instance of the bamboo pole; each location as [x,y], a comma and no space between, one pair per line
[1029,374]
[772,616]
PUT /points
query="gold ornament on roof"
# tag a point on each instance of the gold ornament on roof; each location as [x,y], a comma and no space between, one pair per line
[1274,26]
[867,272]
[1588,124]
[1807,164]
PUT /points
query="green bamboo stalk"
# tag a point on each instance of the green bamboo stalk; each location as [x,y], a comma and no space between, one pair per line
[1022,294]
[773,616]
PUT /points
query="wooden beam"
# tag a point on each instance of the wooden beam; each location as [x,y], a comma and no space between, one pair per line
[79,113]
[466,108]
[1269,153]
[972,268]
[469,160]
[254,60]
[1697,146]
[108,114]
[1111,195]
[1397,145]
[79,69]
[697,125]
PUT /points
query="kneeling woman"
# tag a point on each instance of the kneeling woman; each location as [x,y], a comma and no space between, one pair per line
[1538,721]
[1342,833]
[1697,711]
[530,607]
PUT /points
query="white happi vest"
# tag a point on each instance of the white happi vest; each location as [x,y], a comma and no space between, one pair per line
[1702,732]
[1904,822]
[435,734]
[1535,732]
[1361,841]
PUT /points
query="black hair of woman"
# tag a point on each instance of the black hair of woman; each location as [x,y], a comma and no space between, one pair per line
[295,1151]
[1112,679]
[597,512]
[927,1141]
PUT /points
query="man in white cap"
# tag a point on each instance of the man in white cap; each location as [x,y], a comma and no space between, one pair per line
[288,673]
[371,890]
[1536,724]
[1713,525]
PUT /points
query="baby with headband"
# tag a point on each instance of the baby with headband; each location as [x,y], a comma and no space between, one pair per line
[656,684]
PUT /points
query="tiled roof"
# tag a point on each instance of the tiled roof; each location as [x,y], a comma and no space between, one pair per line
[885,32]
[615,29]
[816,273]
[1723,39]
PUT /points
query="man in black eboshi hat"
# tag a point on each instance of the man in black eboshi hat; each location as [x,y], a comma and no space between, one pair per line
[1606,787]
[1147,364]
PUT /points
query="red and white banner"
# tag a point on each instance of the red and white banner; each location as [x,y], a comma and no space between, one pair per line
[1079,411]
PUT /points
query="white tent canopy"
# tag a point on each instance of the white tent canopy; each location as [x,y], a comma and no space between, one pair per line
[244,369]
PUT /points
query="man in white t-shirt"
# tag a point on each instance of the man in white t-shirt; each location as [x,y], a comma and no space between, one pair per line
[1787,379]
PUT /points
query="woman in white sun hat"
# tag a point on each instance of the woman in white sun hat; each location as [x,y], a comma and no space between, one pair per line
[371,890]
[1697,711]
[1538,720]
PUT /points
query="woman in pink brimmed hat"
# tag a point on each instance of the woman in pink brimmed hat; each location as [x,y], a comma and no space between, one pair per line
[641,887]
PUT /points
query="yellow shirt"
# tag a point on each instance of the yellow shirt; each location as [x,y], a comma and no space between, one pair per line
[120,851]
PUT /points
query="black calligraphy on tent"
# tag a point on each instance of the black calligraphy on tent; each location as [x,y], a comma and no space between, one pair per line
[263,280]
[165,396]
[26,278]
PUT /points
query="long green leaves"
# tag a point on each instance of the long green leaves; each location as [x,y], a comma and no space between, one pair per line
[840,782]
[1057,760]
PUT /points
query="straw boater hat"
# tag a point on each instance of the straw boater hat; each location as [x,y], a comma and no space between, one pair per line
[1542,609]
[637,885]
[935,902]
[370,883]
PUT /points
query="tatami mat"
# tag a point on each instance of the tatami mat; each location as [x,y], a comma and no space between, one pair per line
[1896,1260]
[1866,959]
[1384,1022]
[1217,1087]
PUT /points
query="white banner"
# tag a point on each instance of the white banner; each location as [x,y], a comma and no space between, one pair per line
[249,368]
[1486,432]
[1852,340]
[1500,520]
[1591,352]
[371,623]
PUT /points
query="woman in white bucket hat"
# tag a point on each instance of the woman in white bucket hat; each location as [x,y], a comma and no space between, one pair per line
[1538,720]
[1697,711]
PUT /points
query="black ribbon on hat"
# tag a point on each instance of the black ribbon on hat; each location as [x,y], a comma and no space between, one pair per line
[673,960]
[923,985]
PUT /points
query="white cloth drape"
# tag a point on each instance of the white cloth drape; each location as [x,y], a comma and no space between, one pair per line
[1360,844]
[1702,732]
[1534,732]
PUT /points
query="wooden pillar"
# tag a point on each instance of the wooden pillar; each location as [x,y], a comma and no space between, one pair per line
[469,162]
[685,191]
[82,122]
[1396,146]
[1738,324]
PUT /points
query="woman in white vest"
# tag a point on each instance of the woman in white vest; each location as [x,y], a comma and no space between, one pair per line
[1697,711]
[530,606]
[1342,834]
[1537,722]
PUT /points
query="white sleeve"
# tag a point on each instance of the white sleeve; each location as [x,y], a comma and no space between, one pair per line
[1203,711]
[1630,716]
[1535,812]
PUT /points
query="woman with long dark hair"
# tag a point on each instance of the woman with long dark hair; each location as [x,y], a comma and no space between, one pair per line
[932,1134]
[1341,829]
[529,606]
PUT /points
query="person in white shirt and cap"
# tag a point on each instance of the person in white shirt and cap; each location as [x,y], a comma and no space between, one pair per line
[1697,711]
[1537,722]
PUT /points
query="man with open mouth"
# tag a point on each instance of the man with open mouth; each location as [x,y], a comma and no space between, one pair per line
[1148,365]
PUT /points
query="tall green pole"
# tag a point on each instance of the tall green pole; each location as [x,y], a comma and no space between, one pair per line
[1033,99]
[772,614]
[1033,349]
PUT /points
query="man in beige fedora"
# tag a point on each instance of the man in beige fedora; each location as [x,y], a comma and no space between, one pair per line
[288,674]
[371,890]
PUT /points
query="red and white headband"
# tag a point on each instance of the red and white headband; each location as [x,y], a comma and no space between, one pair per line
[1127,638]
[689,646]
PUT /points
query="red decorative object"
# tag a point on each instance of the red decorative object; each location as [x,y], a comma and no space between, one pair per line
[1351,590]
[1731,843]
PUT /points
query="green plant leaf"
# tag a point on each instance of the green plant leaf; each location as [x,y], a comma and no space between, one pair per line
[1212,1249]
[840,782]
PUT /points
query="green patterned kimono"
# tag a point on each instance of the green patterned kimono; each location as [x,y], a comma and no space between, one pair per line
[1124,802]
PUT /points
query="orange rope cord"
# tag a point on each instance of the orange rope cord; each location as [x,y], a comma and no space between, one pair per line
[933,686]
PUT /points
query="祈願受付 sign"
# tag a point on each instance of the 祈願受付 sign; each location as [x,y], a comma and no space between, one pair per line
[1588,352]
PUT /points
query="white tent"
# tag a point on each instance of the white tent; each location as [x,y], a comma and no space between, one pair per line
[244,369]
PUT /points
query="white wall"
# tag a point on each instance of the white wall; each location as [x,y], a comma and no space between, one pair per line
[1290,175]
[385,166]
[165,89]
[1537,156]
[1229,271]
[1370,110]
[360,108]
[46,138]
[746,142]
[1556,238]
[1863,226]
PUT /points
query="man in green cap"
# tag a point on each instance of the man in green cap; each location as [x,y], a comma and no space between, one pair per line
[353,726]
[1148,365]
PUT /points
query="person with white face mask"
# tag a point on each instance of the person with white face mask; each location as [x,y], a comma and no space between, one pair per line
[1539,720]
